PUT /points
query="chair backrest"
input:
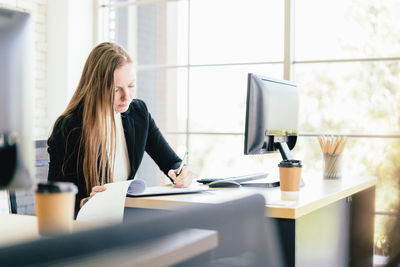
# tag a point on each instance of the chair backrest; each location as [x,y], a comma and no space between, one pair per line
[41,160]
[22,201]
[245,236]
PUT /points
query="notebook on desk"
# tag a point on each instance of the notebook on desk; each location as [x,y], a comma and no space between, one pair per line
[164,190]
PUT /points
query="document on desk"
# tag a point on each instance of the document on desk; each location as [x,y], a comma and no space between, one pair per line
[108,206]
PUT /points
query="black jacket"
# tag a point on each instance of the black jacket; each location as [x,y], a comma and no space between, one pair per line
[141,134]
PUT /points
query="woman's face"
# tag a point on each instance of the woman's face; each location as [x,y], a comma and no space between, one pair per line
[124,80]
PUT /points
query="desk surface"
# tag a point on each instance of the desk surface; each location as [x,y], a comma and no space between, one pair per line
[316,194]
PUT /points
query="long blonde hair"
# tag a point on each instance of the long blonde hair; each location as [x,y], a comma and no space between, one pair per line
[95,96]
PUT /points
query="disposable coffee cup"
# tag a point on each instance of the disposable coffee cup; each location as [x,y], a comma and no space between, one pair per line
[290,175]
[55,204]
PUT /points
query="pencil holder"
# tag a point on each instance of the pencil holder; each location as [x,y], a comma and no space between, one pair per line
[332,166]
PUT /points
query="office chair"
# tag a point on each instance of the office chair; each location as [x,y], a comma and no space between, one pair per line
[22,200]
[245,237]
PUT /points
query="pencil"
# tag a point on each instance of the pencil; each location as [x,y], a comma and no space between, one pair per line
[332,147]
[332,144]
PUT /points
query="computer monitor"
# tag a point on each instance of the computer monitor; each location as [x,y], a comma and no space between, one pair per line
[272,109]
[16,143]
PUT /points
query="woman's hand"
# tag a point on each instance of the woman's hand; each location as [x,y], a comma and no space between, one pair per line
[95,189]
[184,179]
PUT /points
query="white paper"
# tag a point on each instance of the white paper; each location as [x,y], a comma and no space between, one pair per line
[108,206]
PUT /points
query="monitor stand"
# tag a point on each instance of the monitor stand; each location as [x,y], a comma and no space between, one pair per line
[286,155]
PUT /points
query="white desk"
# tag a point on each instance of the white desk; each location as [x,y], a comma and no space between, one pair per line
[316,194]
[329,224]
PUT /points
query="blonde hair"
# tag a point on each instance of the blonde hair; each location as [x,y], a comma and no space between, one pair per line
[95,97]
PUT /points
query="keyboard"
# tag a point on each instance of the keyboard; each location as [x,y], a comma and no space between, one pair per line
[239,179]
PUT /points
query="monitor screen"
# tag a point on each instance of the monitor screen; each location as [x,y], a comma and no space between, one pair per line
[271,115]
[16,143]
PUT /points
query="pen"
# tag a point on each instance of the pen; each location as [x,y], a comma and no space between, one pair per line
[181,166]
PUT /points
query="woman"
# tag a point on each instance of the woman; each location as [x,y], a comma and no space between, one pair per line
[103,133]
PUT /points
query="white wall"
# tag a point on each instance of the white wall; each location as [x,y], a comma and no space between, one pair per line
[70,34]
[81,38]
[57,84]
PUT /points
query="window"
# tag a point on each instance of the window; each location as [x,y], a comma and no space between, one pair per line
[347,66]
[193,57]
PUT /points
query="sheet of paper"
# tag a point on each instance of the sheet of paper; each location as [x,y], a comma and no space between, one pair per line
[108,206]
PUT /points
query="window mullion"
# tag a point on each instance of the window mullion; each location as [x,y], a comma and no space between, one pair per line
[288,56]
[188,82]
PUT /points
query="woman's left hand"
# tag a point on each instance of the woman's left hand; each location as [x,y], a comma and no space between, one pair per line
[184,179]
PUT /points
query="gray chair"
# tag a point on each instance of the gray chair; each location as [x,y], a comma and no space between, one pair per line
[22,200]
[246,238]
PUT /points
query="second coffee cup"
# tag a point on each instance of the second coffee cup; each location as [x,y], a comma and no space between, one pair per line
[290,175]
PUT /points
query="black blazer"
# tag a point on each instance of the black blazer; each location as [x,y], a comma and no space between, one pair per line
[141,134]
